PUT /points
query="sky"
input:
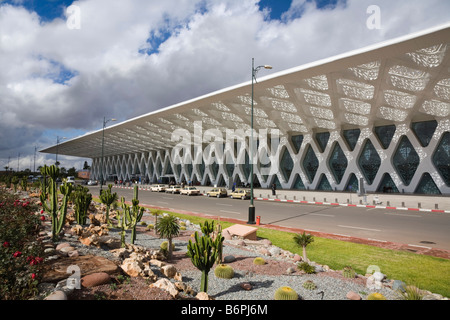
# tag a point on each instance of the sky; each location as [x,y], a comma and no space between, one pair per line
[65,64]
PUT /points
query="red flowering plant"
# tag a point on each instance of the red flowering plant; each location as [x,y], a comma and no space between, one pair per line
[20,252]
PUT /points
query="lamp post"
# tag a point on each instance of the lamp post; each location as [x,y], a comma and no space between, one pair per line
[103,144]
[58,140]
[251,209]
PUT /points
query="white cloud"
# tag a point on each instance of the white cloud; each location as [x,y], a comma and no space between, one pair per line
[208,45]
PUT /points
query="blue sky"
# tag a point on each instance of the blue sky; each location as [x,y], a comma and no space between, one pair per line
[121,63]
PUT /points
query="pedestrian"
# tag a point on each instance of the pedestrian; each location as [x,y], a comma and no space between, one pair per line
[274,188]
[233,187]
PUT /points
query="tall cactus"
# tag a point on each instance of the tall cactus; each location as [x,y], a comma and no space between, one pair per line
[130,216]
[204,253]
[108,198]
[58,213]
[82,200]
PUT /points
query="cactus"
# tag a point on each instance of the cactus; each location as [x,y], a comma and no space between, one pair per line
[224,271]
[259,261]
[15,182]
[82,200]
[165,246]
[24,184]
[58,213]
[108,198]
[309,285]
[130,217]
[376,296]
[285,293]
[203,254]
[348,272]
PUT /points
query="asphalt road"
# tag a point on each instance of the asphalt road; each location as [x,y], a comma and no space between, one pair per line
[414,228]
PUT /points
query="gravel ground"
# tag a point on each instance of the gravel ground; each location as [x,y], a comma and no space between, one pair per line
[264,281]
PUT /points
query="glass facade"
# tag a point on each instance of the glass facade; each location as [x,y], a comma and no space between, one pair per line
[441,158]
[406,160]
[427,185]
[322,140]
[297,142]
[351,137]
[324,184]
[352,185]
[338,163]
[298,183]
[310,163]
[286,165]
[424,131]
[385,135]
[369,161]
[387,185]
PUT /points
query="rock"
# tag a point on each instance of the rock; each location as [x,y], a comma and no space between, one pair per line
[56,270]
[63,245]
[264,251]
[181,286]
[433,296]
[246,286]
[57,295]
[353,296]
[169,270]
[73,253]
[241,243]
[378,276]
[203,296]
[49,251]
[266,242]
[318,269]
[95,279]
[157,263]
[399,285]
[290,270]
[67,249]
[178,277]
[297,257]
[229,259]
[274,251]
[165,284]
[132,267]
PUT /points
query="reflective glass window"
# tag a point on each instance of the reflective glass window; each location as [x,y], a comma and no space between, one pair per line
[298,183]
[385,135]
[286,164]
[427,185]
[322,140]
[441,158]
[338,163]
[324,184]
[387,185]
[406,160]
[352,136]
[369,161]
[352,184]
[424,131]
[310,163]
[297,142]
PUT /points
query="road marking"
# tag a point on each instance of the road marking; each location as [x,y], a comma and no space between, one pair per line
[225,205]
[413,245]
[162,202]
[323,215]
[359,228]
[167,198]
[405,215]
[234,212]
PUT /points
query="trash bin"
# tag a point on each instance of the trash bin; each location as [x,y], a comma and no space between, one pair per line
[258,220]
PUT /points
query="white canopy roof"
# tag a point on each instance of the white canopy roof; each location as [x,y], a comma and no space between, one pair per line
[399,81]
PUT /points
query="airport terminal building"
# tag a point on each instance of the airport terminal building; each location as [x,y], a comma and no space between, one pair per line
[380,115]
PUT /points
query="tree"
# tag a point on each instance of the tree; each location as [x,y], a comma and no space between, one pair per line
[303,240]
[72,172]
[86,166]
[168,228]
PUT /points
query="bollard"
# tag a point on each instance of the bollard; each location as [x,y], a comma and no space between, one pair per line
[436,206]
[258,220]
[419,205]
[388,203]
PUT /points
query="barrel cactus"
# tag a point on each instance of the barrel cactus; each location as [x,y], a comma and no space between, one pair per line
[376,296]
[224,271]
[165,246]
[309,285]
[285,293]
[348,272]
[259,261]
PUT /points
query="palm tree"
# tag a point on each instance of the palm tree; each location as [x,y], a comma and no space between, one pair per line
[168,228]
[155,213]
[303,240]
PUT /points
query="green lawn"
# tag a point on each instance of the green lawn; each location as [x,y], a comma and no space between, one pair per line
[425,272]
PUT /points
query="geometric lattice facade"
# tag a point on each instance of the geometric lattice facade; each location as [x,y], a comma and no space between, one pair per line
[381,114]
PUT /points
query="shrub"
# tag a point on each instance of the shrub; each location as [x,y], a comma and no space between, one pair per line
[259,261]
[285,293]
[309,285]
[410,293]
[307,268]
[20,253]
[348,272]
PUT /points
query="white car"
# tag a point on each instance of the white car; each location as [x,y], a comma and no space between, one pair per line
[158,187]
[71,180]
[190,191]
[92,183]
[173,189]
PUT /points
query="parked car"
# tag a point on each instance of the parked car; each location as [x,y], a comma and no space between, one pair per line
[173,189]
[71,180]
[217,192]
[190,191]
[158,188]
[240,194]
[92,183]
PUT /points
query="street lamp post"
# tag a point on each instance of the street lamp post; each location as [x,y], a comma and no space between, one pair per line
[103,144]
[58,140]
[251,209]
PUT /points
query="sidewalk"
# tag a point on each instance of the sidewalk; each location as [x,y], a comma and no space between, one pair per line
[392,201]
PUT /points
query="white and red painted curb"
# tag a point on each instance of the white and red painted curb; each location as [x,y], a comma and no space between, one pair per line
[325,203]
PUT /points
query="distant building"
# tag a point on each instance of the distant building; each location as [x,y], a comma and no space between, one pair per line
[84,174]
